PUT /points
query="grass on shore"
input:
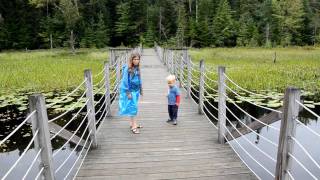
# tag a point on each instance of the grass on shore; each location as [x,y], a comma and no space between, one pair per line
[47,70]
[255,70]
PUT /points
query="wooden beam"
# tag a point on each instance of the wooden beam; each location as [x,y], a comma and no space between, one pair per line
[267,119]
[64,134]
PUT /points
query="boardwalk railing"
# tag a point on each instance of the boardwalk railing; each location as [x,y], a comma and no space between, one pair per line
[92,113]
[205,84]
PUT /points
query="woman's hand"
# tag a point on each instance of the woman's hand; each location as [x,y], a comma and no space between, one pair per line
[129,95]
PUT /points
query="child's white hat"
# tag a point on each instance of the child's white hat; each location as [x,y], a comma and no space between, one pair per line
[171,77]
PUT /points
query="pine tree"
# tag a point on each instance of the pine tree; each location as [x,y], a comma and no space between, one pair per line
[289,15]
[180,34]
[224,27]
[102,36]
[123,26]
[71,15]
[149,36]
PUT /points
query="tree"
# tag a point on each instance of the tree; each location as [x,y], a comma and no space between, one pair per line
[123,26]
[289,15]
[71,15]
[224,27]
[180,34]
[102,35]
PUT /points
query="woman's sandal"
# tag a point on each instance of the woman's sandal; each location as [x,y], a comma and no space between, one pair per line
[135,131]
[139,126]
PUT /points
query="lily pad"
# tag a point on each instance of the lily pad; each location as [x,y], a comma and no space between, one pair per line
[310,105]
[22,108]
[308,102]
[274,105]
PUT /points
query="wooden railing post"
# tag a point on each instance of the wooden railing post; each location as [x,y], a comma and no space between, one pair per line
[90,107]
[118,73]
[189,76]
[42,141]
[165,60]
[107,86]
[287,131]
[171,62]
[221,105]
[112,56]
[201,87]
[181,69]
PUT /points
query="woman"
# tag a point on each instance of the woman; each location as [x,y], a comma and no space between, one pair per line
[130,89]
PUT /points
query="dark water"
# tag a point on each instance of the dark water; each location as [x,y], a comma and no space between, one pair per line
[309,141]
[11,117]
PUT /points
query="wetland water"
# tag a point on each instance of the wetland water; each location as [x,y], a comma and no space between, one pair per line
[12,116]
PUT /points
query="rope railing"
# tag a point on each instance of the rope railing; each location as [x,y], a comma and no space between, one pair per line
[261,95]
[22,155]
[71,108]
[17,128]
[306,152]
[38,109]
[244,150]
[245,138]
[244,99]
[39,173]
[191,75]
[71,120]
[99,73]
[65,160]
[104,112]
[245,112]
[244,124]
[68,95]
[99,101]
[101,81]
[301,165]
[32,164]
[74,134]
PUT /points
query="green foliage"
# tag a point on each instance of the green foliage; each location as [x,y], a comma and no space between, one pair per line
[46,70]
[254,69]
[224,26]
[202,23]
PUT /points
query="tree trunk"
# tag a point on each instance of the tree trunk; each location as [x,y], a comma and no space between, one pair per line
[160,21]
[51,41]
[196,10]
[72,41]
[315,35]
[267,33]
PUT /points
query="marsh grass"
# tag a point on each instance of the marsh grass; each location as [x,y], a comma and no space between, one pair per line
[46,70]
[255,70]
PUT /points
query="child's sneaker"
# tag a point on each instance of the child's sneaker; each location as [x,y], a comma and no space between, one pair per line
[169,121]
[174,122]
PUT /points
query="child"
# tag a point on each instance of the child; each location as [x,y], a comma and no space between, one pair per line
[173,99]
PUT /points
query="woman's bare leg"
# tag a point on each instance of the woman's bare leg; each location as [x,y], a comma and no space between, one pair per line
[133,122]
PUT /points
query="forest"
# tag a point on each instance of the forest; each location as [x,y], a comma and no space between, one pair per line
[45,24]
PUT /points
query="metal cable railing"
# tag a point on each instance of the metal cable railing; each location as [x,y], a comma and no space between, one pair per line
[90,104]
[17,128]
[191,76]
[71,108]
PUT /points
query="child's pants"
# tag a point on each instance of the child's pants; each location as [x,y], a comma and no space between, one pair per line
[173,111]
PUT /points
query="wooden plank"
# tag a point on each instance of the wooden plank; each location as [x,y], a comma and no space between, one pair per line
[162,150]
[267,119]
[65,134]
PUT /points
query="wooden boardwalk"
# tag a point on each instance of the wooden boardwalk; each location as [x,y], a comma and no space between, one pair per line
[189,150]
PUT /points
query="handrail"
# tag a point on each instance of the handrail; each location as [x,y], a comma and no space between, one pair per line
[17,128]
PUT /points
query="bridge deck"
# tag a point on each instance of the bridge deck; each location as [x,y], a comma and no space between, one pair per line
[162,151]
